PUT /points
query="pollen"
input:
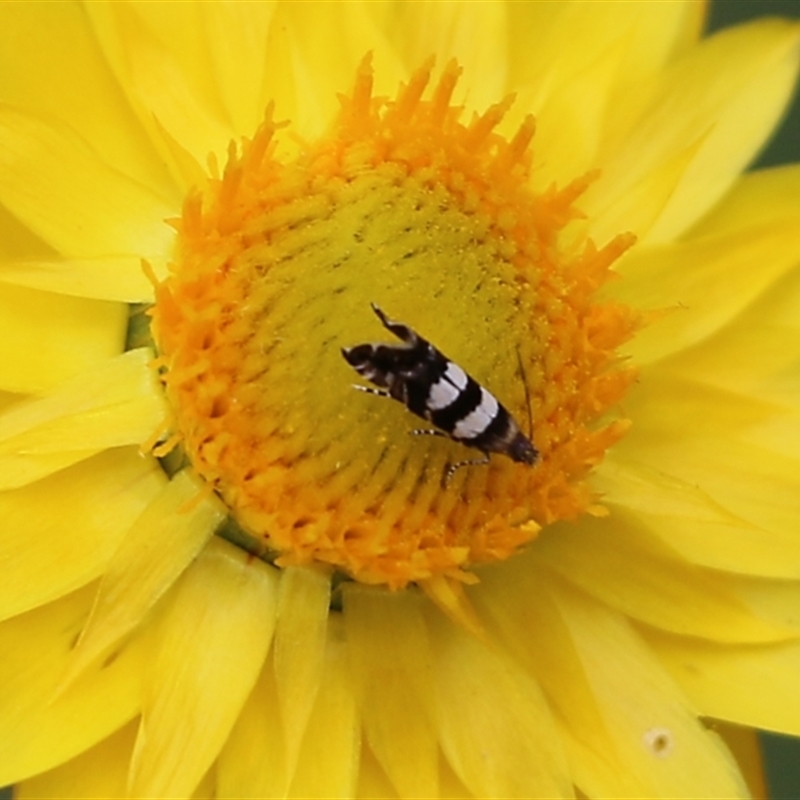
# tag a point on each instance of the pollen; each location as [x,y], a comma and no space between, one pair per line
[406,205]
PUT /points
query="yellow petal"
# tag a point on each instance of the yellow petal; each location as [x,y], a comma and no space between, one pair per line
[695,524]
[709,439]
[756,199]
[390,661]
[206,789]
[160,56]
[764,398]
[108,213]
[303,609]
[47,338]
[569,134]
[527,622]
[697,409]
[660,33]
[656,730]
[7,400]
[50,65]
[705,282]
[495,727]
[623,565]
[110,405]
[584,68]
[628,729]
[597,770]
[329,757]
[473,33]
[756,351]
[112,278]
[252,763]
[643,202]
[316,47]
[188,171]
[236,34]
[372,781]
[40,732]
[450,786]
[18,241]
[728,92]
[210,647]
[713,677]
[60,533]
[141,571]
[100,772]
[549,43]
[770,599]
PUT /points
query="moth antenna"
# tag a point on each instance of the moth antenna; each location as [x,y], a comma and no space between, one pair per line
[527,395]
[378,312]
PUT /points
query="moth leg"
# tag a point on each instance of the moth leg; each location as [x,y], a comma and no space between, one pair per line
[450,471]
[427,432]
[370,390]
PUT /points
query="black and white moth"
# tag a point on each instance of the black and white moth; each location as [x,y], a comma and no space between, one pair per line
[435,388]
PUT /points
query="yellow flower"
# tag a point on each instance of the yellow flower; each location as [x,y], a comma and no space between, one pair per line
[372,621]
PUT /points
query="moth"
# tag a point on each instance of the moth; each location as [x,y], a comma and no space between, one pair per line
[436,389]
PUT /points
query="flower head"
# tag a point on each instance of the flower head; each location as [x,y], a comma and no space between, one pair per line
[400,203]
[560,252]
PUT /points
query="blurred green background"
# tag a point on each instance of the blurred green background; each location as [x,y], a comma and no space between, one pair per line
[781,753]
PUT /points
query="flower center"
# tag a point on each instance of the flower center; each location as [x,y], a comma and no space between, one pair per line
[432,220]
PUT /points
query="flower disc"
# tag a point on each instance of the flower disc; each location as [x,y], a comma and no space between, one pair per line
[404,206]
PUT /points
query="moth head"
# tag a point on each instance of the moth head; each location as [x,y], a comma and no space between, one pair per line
[522,450]
[362,359]
[358,357]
